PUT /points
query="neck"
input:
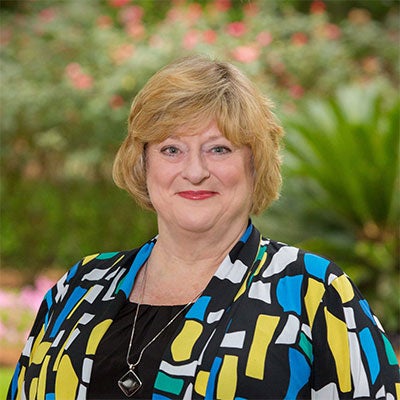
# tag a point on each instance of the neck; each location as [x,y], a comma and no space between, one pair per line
[182,263]
[193,249]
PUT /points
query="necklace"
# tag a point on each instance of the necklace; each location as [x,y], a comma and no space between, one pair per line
[130,382]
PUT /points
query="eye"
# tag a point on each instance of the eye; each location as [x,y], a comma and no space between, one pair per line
[221,150]
[170,150]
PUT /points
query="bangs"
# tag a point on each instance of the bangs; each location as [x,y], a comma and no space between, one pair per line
[184,98]
[193,113]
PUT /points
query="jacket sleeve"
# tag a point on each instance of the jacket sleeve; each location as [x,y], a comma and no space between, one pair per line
[353,357]
[43,316]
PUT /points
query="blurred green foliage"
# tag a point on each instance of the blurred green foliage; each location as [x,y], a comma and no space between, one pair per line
[69,71]
[5,379]
[342,155]
[56,222]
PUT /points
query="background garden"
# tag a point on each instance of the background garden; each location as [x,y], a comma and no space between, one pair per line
[69,70]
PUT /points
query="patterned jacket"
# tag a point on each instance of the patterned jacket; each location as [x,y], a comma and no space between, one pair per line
[274,322]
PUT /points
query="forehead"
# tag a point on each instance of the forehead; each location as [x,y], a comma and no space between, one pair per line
[205,132]
[208,132]
[212,126]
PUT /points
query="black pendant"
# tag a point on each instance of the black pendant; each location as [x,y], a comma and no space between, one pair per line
[130,383]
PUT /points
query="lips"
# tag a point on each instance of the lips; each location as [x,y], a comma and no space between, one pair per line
[197,194]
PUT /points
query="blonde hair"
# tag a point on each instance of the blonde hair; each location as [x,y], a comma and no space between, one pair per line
[190,93]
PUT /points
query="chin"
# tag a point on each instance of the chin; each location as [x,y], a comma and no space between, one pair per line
[197,223]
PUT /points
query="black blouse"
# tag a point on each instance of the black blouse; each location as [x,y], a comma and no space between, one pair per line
[110,361]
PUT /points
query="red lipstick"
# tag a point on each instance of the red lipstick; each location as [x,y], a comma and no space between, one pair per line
[197,194]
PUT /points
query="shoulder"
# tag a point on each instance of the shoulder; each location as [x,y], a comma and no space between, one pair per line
[95,270]
[284,259]
[301,277]
[100,271]
[320,280]
[100,263]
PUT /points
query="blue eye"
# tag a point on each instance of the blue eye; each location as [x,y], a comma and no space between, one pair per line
[170,150]
[221,150]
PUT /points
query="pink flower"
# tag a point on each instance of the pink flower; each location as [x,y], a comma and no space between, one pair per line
[116,101]
[135,30]
[118,3]
[317,7]
[43,283]
[194,12]
[104,21]
[6,299]
[278,67]
[251,9]
[371,65]
[299,39]
[222,5]
[332,31]
[47,15]
[73,70]
[122,53]
[31,298]
[296,91]
[190,39]
[209,36]
[77,77]
[236,29]
[131,15]
[83,82]
[246,54]
[175,14]
[264,38]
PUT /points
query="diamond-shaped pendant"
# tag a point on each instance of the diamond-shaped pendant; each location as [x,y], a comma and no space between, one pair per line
[130,383]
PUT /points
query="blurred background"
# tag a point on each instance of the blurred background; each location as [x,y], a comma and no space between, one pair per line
[69,71]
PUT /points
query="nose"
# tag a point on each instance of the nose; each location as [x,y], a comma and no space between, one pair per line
[195,168]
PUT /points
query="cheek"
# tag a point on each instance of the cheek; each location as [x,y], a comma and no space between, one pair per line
[154,180]
[237,175]
[245,168]
[153,169]
[159,176]
[249,171]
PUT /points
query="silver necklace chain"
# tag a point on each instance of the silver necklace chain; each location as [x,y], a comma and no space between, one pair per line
[130,365]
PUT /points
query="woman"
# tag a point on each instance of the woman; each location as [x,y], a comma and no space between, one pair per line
[209,308]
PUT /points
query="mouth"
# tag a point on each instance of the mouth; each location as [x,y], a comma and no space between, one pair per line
[197,194]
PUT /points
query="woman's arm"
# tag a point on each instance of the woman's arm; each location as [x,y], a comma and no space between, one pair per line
[353,357]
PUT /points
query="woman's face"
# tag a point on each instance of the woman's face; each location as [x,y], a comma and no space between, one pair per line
[196,181]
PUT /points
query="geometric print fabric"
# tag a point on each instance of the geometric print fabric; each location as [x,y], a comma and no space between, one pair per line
[274,322]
